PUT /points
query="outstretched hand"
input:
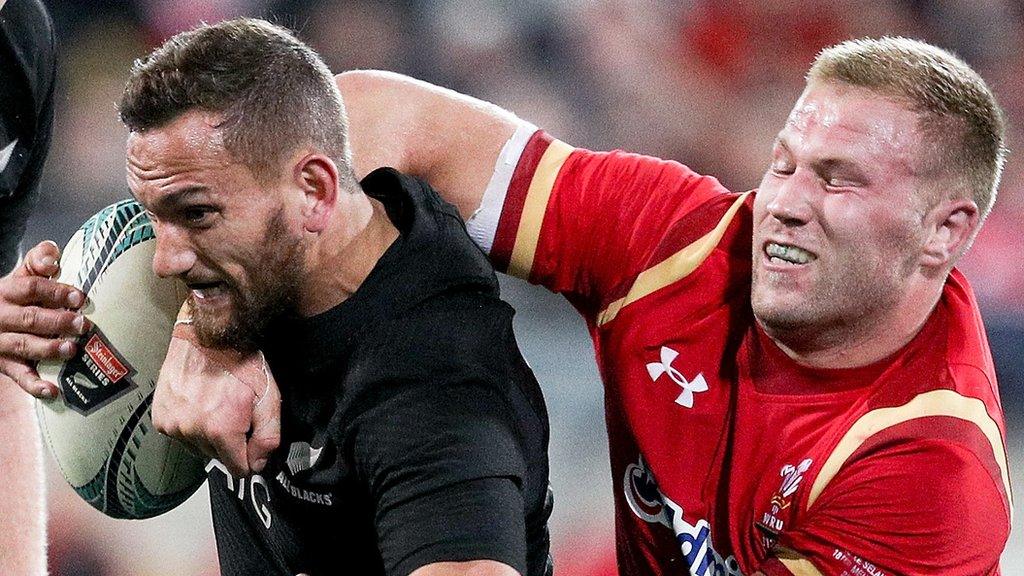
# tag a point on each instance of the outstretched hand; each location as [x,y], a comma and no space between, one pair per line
[40,319]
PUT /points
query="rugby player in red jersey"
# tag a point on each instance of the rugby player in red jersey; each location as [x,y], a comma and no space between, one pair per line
[797,378]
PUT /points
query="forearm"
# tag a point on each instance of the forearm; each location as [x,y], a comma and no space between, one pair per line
[23,520]
[449,139]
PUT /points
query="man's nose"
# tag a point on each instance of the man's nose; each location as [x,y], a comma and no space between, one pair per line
[791,201]
[174,255]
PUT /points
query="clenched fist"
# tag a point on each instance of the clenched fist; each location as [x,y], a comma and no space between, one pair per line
[221,402]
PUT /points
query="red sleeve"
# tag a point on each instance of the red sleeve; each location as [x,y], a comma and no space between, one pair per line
[923,497]
[582,223]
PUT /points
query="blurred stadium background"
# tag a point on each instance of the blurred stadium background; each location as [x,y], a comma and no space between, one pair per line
[707,82]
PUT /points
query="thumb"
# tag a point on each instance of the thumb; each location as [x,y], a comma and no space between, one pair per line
[266,423]
[42,260]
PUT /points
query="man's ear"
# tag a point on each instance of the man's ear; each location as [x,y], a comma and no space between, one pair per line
[317,177]
[951,226]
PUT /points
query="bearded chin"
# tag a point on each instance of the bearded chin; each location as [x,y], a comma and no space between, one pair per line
[243,330]
[272,294]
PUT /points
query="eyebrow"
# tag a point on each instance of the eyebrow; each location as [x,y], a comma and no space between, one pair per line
[829,163]
[176,197]
[780,143]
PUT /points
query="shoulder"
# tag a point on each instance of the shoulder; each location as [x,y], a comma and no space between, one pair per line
[460,332]
[915,437]
[461,314]
[454,353]
[450,364]
[929,478]
[27,32]
[923,507]
[933,489]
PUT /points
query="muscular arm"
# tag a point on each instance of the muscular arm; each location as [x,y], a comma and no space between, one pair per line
[449,139]
[589,220]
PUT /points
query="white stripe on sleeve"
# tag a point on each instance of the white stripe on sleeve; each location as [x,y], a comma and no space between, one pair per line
[483,224]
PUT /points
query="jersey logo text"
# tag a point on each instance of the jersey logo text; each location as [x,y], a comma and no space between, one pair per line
[649,504]
[259,492]
[772,522]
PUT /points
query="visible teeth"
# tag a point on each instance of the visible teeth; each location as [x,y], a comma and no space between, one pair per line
[208,292]
[788,253]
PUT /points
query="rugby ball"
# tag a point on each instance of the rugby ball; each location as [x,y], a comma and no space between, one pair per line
[99,428]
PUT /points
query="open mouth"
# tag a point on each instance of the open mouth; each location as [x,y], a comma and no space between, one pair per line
[788,254]
[206,290]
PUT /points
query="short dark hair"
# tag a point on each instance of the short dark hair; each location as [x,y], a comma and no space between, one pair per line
[274,92]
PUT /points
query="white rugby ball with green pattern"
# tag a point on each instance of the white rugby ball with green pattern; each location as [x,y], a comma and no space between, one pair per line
[99,428]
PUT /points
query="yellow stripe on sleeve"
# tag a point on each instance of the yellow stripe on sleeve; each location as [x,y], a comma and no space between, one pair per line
[543,182]
[800,566]
[935,403]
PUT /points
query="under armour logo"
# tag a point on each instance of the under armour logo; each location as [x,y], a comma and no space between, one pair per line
[657,369]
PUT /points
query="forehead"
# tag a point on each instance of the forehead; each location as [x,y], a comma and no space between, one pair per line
[190,142]
[835,118]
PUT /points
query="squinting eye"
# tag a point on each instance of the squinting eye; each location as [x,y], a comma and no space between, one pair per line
[196,216]
[781,167]
[838,183]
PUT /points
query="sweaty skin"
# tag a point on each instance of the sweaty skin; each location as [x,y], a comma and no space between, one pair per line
[850,293]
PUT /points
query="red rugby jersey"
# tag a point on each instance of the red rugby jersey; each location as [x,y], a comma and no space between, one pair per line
[728,457]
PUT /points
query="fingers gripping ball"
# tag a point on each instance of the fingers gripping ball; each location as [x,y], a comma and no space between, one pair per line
[99,428]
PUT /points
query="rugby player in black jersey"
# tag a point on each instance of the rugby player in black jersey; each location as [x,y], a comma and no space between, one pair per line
[413,435]
[27,68]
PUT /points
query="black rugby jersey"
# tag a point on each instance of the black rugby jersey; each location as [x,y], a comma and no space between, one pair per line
[412,429]
[27,73]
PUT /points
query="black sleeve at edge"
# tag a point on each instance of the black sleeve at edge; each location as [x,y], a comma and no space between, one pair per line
[476,520]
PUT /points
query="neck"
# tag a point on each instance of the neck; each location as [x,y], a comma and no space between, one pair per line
[859,342]
[345,253]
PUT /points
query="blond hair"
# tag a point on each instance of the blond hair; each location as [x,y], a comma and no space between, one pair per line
[962,124]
